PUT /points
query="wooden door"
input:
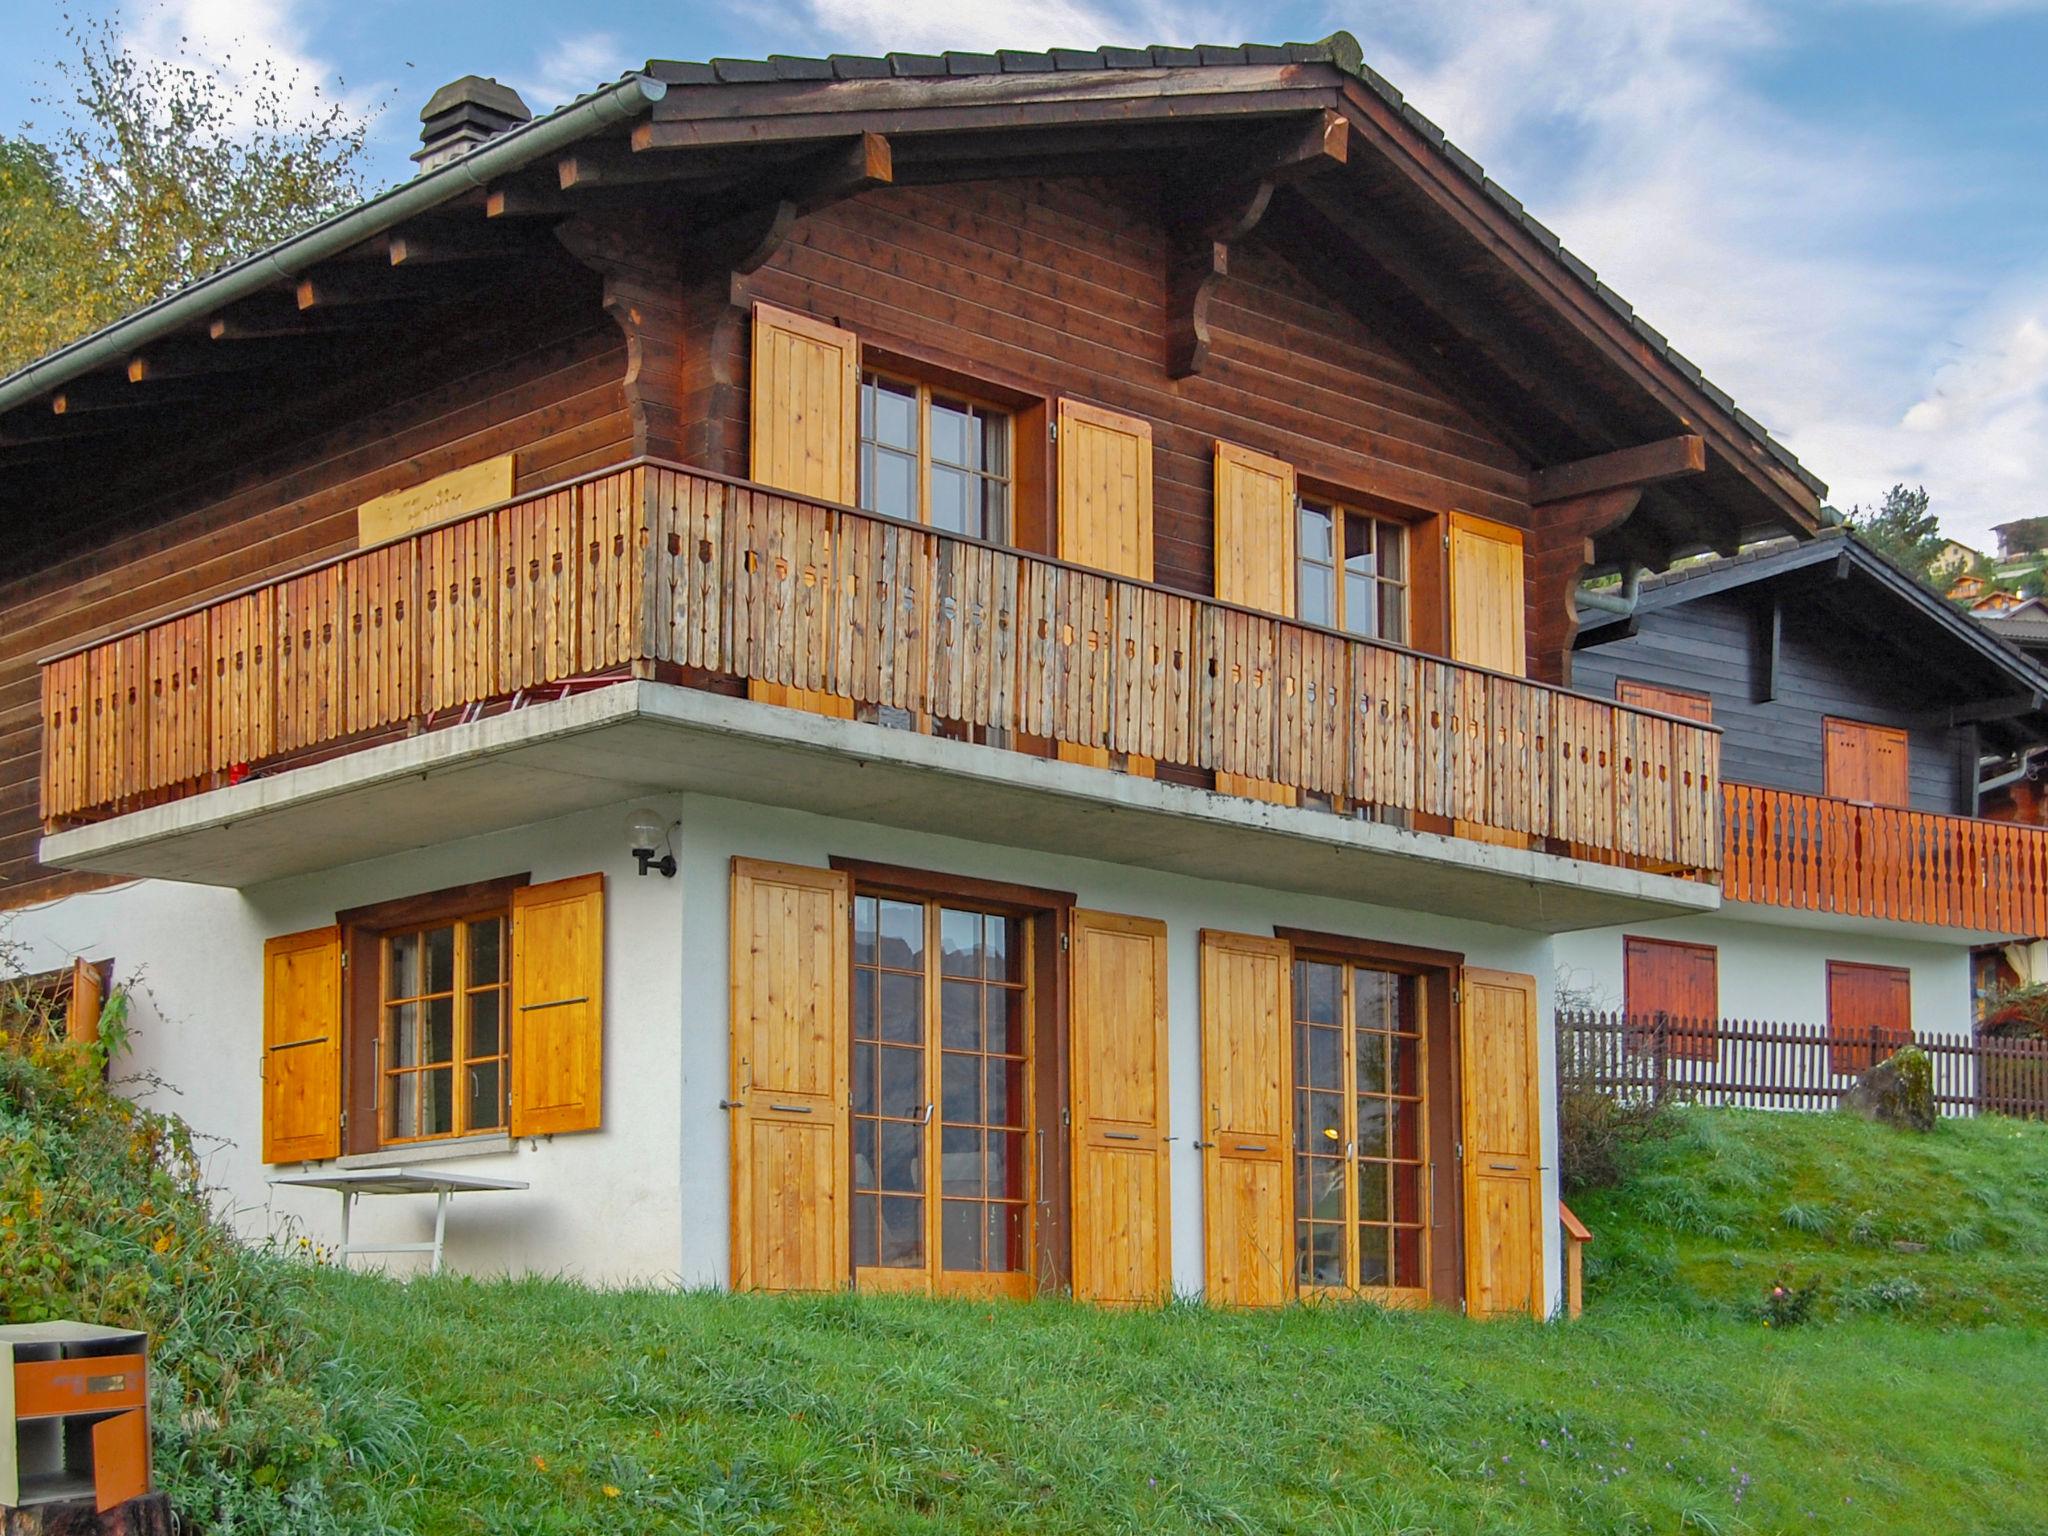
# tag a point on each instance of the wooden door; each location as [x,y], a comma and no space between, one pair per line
[1255,530]
[557,1041]
[789,1084]
[1866,762]
[1679,983]
[1870,1014]
[805,436]
[1104,515]
[1247,1184]
[1117,1042]
[1503,1145]
[1487,619]
[1671,701]
[302,1046]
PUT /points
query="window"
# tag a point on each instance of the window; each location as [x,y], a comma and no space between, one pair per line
[1676,986]
[1359,1136]
[1870,1014]
[1671,701]
[941,1029]
[1353,572]
[441,1040]
[928,456]
[1866,762]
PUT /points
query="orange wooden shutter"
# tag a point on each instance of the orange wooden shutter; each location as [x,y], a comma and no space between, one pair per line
[1121,1215]
[1247,1185]
[302,1046]
[1672,701]
[1679,981]
[1866,762]
[806,435]
[1503,1145]
[558,1006]
[1487,628]
[1870,1014]
[88,999]
[1105,512]
[1889,781]
[791,981]
[1255,559]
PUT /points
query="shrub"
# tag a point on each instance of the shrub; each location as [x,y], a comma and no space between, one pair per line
[104,1216]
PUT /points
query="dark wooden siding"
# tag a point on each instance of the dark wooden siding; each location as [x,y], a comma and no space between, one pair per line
[546,386]
[1826,667]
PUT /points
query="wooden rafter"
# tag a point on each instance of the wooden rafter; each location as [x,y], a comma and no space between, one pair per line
[1667,459]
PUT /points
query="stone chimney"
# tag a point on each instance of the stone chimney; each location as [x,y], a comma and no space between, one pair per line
[463,114]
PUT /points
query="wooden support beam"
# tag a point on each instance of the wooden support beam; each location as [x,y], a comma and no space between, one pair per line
[605,163]
[1667,459]
[639,258]
[1770,640]
[1209,219]
[1557,574]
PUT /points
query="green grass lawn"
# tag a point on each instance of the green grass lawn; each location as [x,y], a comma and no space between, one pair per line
[1916,1400]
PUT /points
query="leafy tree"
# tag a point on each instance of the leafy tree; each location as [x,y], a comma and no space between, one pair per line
[1904,531]
[157,173]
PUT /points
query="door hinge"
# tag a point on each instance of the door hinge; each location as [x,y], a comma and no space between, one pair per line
[1066,942]
[1459,1151]
[344,959]
[1052,431]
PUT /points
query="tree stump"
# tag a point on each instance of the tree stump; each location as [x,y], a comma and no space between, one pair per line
[149,1515]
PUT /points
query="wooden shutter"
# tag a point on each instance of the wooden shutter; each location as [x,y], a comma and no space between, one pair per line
[1680,982]
[1503,1145]
[1247,1185]
[558,1006]
[88,999]
[1105,471]
[1866,762]
[1255,560]
[791,981]
[1121,1226]
[805,436]
[1870,1014]
[1672,701]
[302,1046]
[1487,628]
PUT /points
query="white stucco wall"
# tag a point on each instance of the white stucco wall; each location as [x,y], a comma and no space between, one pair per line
[1774,971]
[646,1198]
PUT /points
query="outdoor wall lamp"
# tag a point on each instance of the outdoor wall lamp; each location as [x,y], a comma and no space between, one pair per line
[645,831]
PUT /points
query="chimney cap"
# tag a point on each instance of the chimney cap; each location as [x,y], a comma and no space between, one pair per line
[463,114]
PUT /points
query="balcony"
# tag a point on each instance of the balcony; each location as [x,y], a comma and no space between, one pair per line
[1841,859]
[654,573]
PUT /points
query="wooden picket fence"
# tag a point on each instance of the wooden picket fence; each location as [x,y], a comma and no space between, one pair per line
[1761,1065]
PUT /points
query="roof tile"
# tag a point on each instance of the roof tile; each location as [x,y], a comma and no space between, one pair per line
[743,71]
[791,67]
[1018,62]
[859,66]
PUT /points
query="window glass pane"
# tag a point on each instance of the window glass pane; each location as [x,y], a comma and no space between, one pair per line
[995,511]
[902,1008]
[1394,614]
[954,440]
[1407,1180]
[895,415]
[960,1014]
[902,1089]
[1315,595]
[1393,551]
[960,1089]
[1006,1163]
[864,1069]
[894,492]
[1002,952]
[403,965]
[1361,605]
[1315,533]
[483,1023]
[960,1160]
[1372,1127]
[902,1156]
[1319,990]
[902,942]
[1005,1092]
[902,1233]
[402,1035]
[1320,1127]
[403,1105]
[1408,1257]
[959,942]
[864,930]
[437,1106]
[995,442]
[1372,1191]
[960,1234]
[440,948]
[1371,1048]
[440,1045]
[864,983]
[484,952]
[866,1240]
[1006,1237]
[1007,1029]
[955,507]
[486,1101]
[865,1168]
[1372,1256]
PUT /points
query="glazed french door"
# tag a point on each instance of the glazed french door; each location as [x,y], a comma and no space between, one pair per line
[1360,1133]
[941,1097]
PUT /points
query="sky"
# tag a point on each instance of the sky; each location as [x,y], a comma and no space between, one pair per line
[1838,208]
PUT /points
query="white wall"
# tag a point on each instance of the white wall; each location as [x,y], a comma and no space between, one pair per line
[1777,972]
[646,1198]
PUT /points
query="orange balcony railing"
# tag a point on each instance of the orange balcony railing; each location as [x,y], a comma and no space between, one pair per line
[1821,855]
[654,570]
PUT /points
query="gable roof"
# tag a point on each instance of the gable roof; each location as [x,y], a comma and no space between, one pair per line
[1757,484]
[1902,602]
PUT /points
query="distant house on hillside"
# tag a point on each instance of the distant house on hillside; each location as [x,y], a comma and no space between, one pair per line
[2022,537]
[1954,560]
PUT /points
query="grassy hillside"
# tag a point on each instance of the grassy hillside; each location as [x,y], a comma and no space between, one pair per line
[545,1408]
[1853,1217]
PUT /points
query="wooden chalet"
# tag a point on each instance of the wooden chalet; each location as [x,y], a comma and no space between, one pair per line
[1073,554]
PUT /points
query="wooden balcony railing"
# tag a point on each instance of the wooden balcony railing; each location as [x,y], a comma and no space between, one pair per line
[1823,855]
[649,567]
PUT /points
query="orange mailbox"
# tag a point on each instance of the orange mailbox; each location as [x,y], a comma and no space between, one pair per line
[74,1414]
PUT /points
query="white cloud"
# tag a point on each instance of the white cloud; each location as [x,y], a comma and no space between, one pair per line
[572,67]
[242,42]
[911,26]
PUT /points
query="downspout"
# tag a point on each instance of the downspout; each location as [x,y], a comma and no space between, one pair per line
[1607,602]
[617,103]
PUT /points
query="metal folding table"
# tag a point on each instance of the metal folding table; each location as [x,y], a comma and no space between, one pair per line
[351,1182]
